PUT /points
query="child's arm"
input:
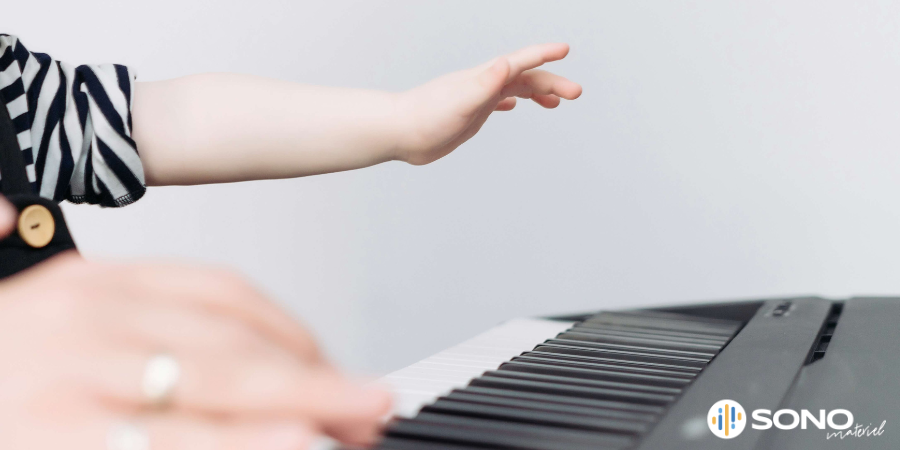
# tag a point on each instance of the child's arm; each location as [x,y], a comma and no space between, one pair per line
[217,128]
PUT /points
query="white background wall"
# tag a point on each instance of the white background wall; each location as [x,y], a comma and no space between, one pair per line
[720,150]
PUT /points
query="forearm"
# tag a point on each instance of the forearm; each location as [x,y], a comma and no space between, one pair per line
[216,128]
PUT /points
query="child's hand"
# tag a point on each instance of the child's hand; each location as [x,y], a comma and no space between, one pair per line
[217,128]
[446,112]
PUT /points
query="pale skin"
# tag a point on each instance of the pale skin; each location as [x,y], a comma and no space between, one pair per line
[216,128]
[253,378]
[76,335]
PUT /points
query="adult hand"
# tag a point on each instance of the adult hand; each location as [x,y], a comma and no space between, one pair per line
[446,112]
[8,216]
[77,336]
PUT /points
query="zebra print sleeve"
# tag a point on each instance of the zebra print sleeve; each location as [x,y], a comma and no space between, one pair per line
[74,126]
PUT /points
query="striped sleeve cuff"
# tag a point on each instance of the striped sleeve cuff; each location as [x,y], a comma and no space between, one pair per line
[76,121]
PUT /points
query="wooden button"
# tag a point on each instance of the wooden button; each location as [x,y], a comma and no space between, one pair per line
[36,226]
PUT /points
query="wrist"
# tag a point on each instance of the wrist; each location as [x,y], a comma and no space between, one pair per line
[407,139]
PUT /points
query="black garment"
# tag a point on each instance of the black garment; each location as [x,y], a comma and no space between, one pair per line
[15,254]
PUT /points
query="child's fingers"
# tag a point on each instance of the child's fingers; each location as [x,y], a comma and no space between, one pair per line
[550,83]
[530,57]
[547,101]
[506,104]
[540,82]
[534,56]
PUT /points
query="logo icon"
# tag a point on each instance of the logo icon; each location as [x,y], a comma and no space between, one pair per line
[726,419]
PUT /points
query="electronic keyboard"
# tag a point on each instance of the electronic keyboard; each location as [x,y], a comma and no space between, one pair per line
[793,373]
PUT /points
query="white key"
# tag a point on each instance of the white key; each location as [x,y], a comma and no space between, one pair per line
[425,381]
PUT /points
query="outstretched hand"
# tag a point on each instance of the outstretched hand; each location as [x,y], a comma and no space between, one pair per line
[217,128]
[446,112]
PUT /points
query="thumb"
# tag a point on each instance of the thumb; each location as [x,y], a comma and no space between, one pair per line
[8,216]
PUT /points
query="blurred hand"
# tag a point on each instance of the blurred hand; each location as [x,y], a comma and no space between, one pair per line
[446,112]
[8,217]
[75,338]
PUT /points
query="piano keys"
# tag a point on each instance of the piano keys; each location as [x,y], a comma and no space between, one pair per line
[646,379]
[598,383]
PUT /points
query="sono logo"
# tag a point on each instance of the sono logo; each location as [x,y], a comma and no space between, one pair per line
[726,419]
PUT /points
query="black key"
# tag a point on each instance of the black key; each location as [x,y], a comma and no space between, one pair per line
[548,358]
[561,399]
[545,387]
[662,315]
[418,430]
[403,443]
[603,384]
[594,374]
[664,326]
[552,405]
[548,418]
[502,434]
[635,350]
[710,349]
[649,322]
[605,330]
[616,358]
[607,325]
